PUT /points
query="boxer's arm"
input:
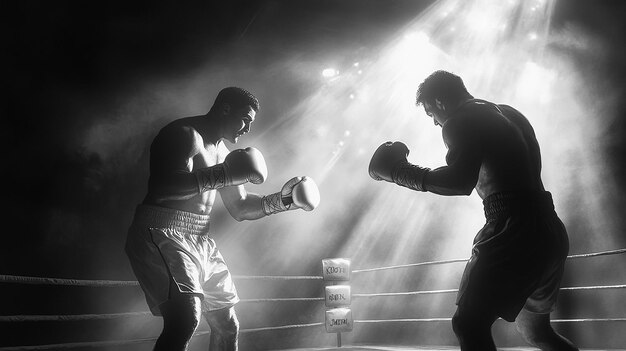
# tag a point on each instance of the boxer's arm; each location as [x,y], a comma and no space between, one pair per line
[296,193]
[463,159]
[449,181]
[241,204]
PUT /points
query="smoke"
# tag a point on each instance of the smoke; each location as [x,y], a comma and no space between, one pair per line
[327,127]
[506,53]
[330,126]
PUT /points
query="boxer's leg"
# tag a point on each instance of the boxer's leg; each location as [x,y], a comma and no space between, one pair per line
[224,329]
[472,326]
[537,331]
[181,316]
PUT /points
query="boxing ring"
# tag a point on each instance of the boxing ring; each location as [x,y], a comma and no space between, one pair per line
[336,275]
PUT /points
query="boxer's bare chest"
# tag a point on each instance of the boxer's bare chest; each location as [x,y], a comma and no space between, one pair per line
[208,155]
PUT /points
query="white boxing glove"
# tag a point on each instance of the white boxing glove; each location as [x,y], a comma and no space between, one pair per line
[305,194]
[239,167]
[245,165]
[298,192]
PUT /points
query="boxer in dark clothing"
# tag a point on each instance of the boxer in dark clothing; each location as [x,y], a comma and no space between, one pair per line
[518,256]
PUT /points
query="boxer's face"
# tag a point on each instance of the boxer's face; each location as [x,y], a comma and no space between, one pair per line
[436,112]
[238,121]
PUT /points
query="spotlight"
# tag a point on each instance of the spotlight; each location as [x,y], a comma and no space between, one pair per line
[330,72]
[417,38]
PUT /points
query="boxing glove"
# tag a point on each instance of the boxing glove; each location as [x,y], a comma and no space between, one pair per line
[386,158]
[298,192]
[244,165]
[305,194]
[240,166]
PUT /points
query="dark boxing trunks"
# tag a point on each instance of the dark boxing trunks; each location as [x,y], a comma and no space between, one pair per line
[517,258]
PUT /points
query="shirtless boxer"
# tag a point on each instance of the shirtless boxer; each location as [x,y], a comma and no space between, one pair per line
[518,256]
[179,267]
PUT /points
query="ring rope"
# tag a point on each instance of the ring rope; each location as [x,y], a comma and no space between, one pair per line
[4,278]
[77,344]
[139,341]
[402,320]
[279,277]
[284,299]
[424,292]
[405,320]
[594,287]
[38,318]
[106,283]
[409,265]
[292,326]
[75,317]
[588,320]
[593,254]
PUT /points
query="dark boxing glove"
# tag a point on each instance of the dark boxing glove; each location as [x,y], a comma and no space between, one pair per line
[386,158]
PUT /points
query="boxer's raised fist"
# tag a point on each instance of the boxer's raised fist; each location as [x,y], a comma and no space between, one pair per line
[245,165]
[386,158]
[297,192]
[305,194]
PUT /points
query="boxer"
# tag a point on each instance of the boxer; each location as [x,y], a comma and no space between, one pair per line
[518,256]
[177,264]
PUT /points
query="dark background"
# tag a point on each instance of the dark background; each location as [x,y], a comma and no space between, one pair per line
[69,66]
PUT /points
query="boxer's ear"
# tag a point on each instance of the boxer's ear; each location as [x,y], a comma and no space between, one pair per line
[226,108]
[440,105]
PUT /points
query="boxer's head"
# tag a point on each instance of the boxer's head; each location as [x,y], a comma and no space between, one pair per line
[236,108]
[440,93]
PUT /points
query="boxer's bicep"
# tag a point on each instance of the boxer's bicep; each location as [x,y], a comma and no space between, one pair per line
[240,204]
[463,161]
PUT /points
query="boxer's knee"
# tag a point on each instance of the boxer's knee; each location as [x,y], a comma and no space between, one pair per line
[535,328]
[460,324]
[223,322]
[468,324]
[181,317]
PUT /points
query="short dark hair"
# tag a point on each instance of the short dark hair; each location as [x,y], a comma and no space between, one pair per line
[443,85]
[236,97]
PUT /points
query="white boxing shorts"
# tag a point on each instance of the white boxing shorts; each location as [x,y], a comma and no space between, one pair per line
[171,247]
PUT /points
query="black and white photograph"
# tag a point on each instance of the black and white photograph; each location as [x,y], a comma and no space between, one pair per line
[360,175]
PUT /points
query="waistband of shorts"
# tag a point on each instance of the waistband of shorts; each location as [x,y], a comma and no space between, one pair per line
[162,217]
[507,203]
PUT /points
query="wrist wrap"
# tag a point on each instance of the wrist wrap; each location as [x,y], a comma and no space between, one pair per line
[409,176]
[275,203]
[210,178]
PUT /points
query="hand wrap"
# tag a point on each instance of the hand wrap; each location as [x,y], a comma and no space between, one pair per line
[210,178]
[410,176]
[298,192]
